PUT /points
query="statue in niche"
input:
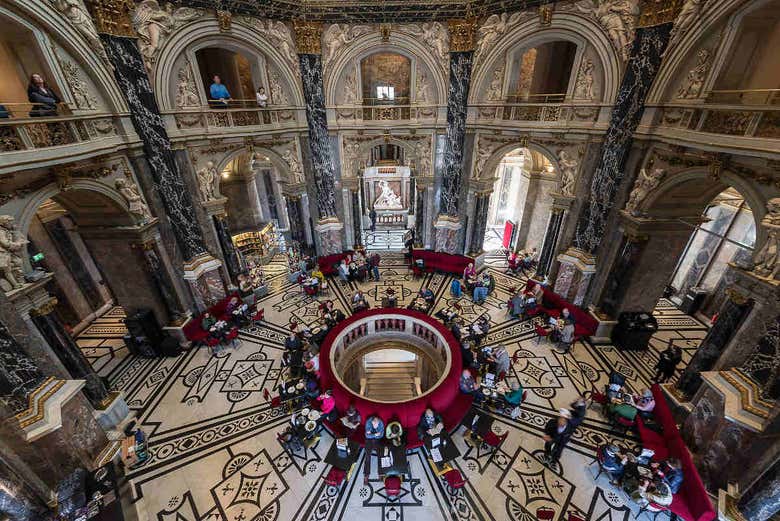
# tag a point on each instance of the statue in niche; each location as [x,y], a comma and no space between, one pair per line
[186,92]
[694,82]
[132,196]
[484,151]
[644,184]
[496,85]
[568,172]
[81,92]
[11,250]
[295,165]
[423,88]
[207,181]
[583,89]
[278,97]
[767,260]
[387,200]
[351,150]
[688,15]
[76,12]
[617,17]
[423,157]
[351,88]
[154,23]
[338,35]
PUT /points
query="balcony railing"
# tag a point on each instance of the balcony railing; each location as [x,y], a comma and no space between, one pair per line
[234,114]
[730,120]
[560,113]
[386,112]
[536,98]
[745,97]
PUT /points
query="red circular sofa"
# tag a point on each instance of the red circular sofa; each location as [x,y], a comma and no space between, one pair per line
[445,398]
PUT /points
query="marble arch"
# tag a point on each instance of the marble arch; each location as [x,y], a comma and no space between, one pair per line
[565,26]
[280,165]
[407,145]
[50,27]
[712,14]
[372,43]
[204,33]
[493,161]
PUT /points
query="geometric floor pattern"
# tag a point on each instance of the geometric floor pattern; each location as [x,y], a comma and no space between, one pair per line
[214,454]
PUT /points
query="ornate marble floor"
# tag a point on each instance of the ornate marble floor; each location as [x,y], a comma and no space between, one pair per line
[214,454]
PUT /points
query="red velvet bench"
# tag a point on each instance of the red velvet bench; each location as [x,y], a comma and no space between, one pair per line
[194,333]
[329,263]
[552,304]
[439,261]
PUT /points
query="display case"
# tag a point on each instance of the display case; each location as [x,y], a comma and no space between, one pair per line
[258,245]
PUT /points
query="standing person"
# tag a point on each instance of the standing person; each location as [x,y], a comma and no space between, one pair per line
[45,99]
[667,363]
[219,93]
[375,259]
[372,216]
[375,431]
[557,434]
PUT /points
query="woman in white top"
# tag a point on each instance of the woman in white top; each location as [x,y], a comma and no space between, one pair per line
[262,99]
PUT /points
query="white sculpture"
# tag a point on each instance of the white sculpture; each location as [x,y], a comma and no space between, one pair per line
[423,89]
[278,96]
[434,35]
[135,203]
[688,15]
[76,12]
[642,187]
[207,181]
[338,35]
[491,30]
[295,166]
[154,23]
[568,167]
[423,152]
[387,200]
[11,249]
[351,88]
[694,82]
[496,88]
[186,92]
[280,34]
[617,17]
[767,260]
[81,92]
[351,151]
[484,150]
[583,89]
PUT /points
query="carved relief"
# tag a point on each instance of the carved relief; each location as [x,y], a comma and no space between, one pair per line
[132,196]
[280,36]
[583,88]
[77,14]
[494,28]
[278,96]
[337,36]
[617,17]
[435,36]
[351,87]
[11,252]
[207,181]
[496,88]
[290,156]
[423,93]
[694,82]
[486,146]
[78,87]
[688,14]
[350,157]
[767,260]
[186,91]
[422,150]
[569,166]
[644,184]
[154,24]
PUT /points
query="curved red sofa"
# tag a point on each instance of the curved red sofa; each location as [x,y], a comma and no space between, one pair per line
[329,263]
[446,398]
[584,323]
[440,261]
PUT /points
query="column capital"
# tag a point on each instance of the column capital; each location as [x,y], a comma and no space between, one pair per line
[308,37]
[658,12]
[45,308]
[463,32]
[113,17]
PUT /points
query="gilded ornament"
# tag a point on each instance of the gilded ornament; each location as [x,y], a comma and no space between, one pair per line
[384,30]
[463,35]
[113,16]
[736,296]
[308,37]
[658,12]
[545,14]
[45,308]
[225,20]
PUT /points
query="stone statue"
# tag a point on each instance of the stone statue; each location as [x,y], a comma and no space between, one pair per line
[694,81]
[135,203]
[435,36]
[423,151]
[423,89]
[351,150]
[337,36]
[154,23]
[81,91]
[568,167]
[489,32]
[767,260]
[484,151]
[387,200]
[642,187]
[186,92]
[295,166]
[617,17]
[688,15]
[278,97]
[351,88]
[77,13]
[583,89]
[280,34]
[496,88]
[207,181]
[11,250]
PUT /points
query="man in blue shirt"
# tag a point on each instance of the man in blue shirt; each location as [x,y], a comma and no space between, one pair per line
[375,431]
[219,92]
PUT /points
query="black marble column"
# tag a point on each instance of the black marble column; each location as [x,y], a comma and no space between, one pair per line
[72,259]
[551,236]
[620,274]
[763,364]
[319,143]
[295,215]
[642,66]
[761,502]
[70,354]
[481,206]
[419,214]
[270,195]
[229,253]
[730,316]
[130,74]
[19,374]
[356,218]
[161,278]
[457,106]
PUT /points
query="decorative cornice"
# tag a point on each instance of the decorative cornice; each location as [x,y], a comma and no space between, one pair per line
[45,308]
[113,17]
[658,12]
[736,296]
[308,37]
[463,34]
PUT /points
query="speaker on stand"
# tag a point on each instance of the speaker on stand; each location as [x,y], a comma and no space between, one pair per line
[145,336]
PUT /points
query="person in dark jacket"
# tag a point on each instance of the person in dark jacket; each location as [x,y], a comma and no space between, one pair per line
[430,424]
[667,362]
[557,434]
[44,98]
[578,408]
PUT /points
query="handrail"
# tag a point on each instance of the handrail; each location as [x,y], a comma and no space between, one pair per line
[64,118]
[549,98]
[62,108]
[209,109]
[744,90]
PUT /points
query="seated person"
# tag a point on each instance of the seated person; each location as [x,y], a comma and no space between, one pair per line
[353,270]
[245,286]
[514,397]
[312,388]
[456,330]
[480,292]
[290,440]
[351,420]
[390,300]
[317,274]
[614,463]
[645,403]
[426,294]
[207,321]
[343,271]
[466,354]
[672,474]
[328,406]
[430,424]
[566,315]
[293,342]
[645,457]
[655,491]
[516,305]
[499,359]
[359,301]
[303,265]
[468,385]
[512,262]
[312,365]
[470,276]
[446,315]
[456,289]
[395,434]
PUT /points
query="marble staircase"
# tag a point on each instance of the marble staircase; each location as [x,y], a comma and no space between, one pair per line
[391,381]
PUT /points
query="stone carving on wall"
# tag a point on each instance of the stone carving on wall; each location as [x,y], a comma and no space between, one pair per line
[484,151]
[494,27]
[435,36]
[583,88]
[290,156]
[423,151]
[688,15]
[186,91]
[486,147]
[569,167]
[351,88]
[387,200]
[132,196]
[644,184]
[11,252]
[278,96]
[76,12]
[279,35]
[496,88]
[694,82]
[423,94]
[207,181]
[350,157]
[336,36]
[154,24]
[767,260]
[78,87]
[617,17]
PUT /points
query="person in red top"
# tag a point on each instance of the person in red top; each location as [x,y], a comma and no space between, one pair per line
[374,260]
[328,405]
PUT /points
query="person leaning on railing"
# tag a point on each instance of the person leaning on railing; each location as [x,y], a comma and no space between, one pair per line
[220,97]
[43,98]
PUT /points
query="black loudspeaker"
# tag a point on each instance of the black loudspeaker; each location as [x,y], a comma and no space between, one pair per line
[693,300]
[144,325]
[633,331]
[170,347]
